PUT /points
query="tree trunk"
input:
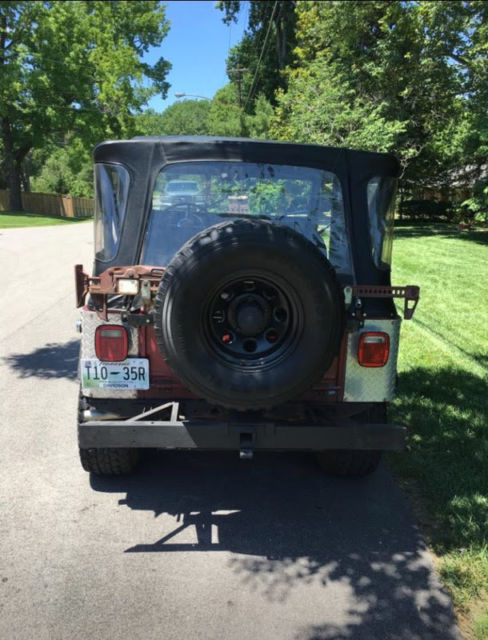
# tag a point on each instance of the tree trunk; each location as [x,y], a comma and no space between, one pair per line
[284,27]
[11,168]
[25,179]
[13,165]
[10,163]
[15,192]
[280,38]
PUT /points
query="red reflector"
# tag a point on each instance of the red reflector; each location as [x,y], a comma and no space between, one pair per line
[111,343]
[373,349]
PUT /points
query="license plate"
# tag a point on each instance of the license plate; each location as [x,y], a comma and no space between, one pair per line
[132,373]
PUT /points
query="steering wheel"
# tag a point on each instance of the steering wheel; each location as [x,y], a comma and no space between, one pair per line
[192,213]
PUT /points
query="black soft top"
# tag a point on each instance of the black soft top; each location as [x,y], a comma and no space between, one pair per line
[144,157]
[186,148]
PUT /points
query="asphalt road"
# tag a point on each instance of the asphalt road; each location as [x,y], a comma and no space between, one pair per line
[195,545]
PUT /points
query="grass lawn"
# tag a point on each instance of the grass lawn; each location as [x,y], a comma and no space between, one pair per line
[9,219]
[442,396]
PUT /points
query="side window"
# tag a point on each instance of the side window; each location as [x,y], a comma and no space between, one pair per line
[111,189]
[381,194]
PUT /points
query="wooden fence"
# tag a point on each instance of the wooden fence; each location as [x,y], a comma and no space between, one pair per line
[49,204]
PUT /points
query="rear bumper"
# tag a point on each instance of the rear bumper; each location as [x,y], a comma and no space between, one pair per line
[206,434]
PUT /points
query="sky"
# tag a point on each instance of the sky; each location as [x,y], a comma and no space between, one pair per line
[197,45]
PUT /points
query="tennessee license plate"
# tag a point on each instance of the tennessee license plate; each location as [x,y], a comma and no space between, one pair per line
[132,373]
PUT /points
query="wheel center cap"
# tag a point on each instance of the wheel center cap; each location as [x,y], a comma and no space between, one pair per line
[250,318]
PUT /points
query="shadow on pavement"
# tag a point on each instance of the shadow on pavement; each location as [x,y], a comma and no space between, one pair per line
[286,524]
[54,360]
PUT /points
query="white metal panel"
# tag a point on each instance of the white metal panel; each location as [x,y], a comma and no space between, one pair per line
[89,322]
[371,384]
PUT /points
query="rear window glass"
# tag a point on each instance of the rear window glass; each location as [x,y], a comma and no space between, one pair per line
[111,189]
[191,196]
[181,187]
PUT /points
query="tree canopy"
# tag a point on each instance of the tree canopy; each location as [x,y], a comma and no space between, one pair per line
[187,117]
[407,77]
[87,83]
[399,76]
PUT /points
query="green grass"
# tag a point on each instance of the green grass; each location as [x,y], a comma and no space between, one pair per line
[10,219]
[442,396]
[481,627]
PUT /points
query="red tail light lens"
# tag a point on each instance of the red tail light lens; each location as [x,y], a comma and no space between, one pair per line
[373,349]
[111,343]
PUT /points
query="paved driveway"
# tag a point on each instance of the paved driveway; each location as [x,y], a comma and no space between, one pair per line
[196,545]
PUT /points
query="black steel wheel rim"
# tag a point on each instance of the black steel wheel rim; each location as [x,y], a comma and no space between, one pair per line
[252,321]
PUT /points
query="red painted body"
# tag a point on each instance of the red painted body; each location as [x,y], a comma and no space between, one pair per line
[165,385]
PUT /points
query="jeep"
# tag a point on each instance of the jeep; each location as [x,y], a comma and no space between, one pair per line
[253,313]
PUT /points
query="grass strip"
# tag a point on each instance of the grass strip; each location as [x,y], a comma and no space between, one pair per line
[442,396]
[11,219]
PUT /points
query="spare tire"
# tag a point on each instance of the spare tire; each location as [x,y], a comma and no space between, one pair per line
[249,314]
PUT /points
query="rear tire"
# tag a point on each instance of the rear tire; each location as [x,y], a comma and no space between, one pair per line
[106,461]
[354,463]
[109,462]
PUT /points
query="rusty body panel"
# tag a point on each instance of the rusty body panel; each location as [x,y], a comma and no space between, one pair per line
[106,284]
[164,384]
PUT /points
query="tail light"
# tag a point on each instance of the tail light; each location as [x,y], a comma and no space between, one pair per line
[111,343]
[373,349]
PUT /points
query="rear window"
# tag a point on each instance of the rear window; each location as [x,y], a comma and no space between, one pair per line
[111,189]
[191,196]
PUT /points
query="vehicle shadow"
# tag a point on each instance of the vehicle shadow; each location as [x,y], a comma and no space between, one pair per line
[287,525]
[445,409]
[53,360]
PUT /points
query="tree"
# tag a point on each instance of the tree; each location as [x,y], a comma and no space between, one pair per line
[319,108]
[258,125]
[386,76]
[268,23]
[66,166]
[188,117]
[225,117]
[220,116]
[62,169]
[73,67]
[473,134]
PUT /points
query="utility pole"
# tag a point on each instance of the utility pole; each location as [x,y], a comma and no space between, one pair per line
[238,72]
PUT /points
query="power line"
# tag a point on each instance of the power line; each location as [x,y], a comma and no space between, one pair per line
[262,53]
